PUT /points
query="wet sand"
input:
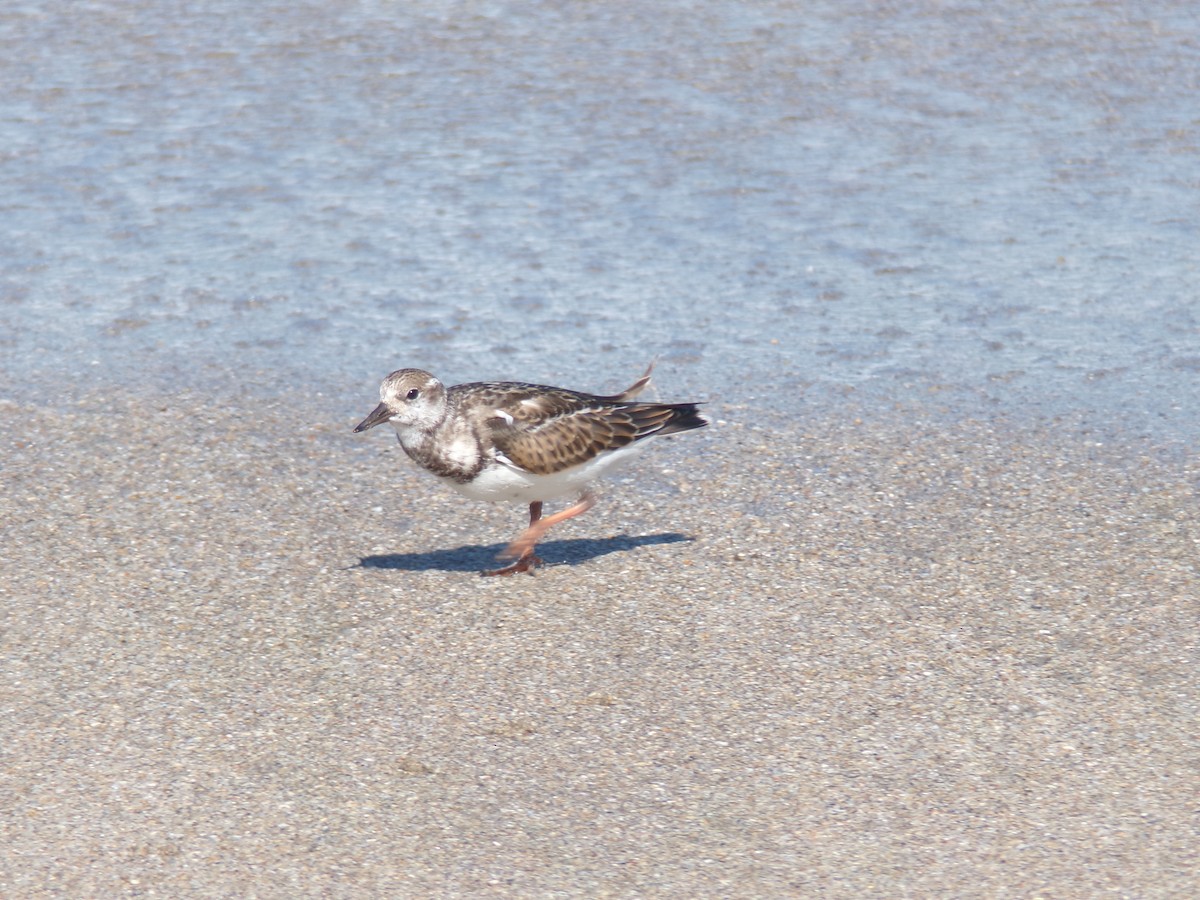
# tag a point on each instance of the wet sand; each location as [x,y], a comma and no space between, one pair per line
[246,653]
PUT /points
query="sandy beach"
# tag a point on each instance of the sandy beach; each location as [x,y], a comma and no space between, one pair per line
[916,617]
[247,654]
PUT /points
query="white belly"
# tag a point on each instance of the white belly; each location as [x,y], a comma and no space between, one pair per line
[499,482]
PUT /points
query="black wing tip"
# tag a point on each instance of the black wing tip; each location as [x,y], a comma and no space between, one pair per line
[684,417]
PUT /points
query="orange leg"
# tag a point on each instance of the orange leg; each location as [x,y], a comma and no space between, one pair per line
[522,547]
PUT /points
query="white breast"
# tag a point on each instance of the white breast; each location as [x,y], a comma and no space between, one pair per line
[500,481]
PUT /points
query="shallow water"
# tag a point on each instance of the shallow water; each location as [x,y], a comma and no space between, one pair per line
[782,203]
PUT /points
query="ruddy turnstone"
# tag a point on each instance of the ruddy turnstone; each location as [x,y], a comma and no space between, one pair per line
[507,440]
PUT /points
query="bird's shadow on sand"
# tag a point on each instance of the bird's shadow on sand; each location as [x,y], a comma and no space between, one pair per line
[476,558]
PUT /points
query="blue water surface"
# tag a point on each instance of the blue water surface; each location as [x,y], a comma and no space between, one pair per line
[781,201]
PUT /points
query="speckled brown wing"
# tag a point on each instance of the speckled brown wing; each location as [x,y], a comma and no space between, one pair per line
[553,429]
[572,439]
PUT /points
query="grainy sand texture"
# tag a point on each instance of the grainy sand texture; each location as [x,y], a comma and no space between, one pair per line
[246,653]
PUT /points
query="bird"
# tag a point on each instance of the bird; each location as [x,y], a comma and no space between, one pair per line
[519,442]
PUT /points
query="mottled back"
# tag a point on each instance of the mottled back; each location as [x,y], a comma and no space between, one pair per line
[544,430]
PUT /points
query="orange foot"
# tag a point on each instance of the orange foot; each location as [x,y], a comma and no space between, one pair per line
[524,564]
[522,547]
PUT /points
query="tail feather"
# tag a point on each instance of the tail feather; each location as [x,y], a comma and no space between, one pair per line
[637,387]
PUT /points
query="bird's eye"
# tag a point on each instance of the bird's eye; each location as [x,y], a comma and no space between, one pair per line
[414,394]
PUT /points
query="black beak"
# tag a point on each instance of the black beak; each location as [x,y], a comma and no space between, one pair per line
[381,413]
